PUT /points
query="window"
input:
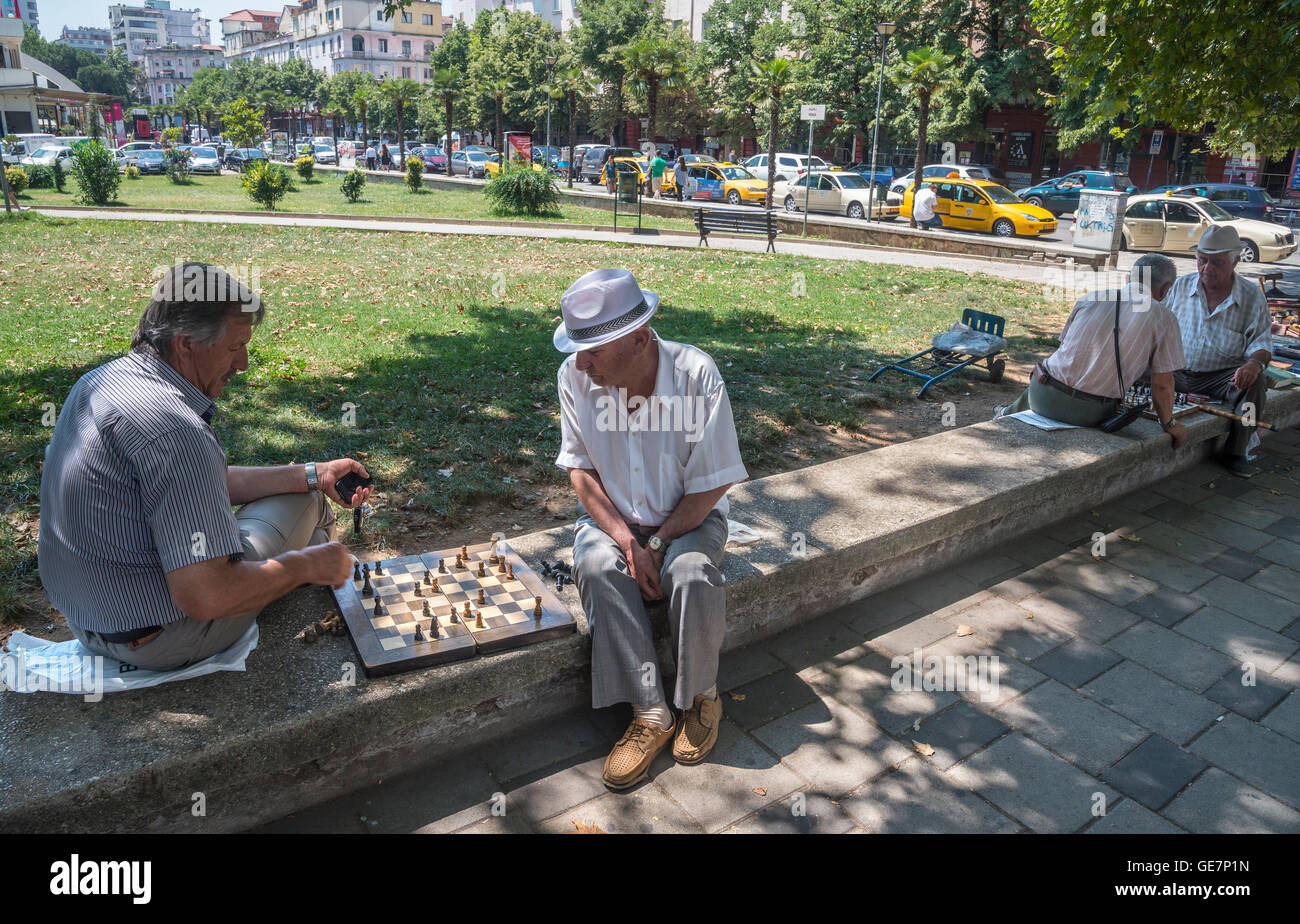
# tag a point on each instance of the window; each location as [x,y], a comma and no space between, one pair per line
[1229,195]
[969,196]
[1149,209]
[358,43]
[406,49]
[379,15]
[427,19]
[406,18]
[406,72]
[1178,212]
[824,182]
[945,191]
[426,73]
[383,44]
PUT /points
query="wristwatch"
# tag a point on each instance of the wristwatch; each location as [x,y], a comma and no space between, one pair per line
[1168,426]
[656,544]
[311,476]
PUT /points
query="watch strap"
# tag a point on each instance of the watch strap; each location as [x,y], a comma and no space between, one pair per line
[312,480]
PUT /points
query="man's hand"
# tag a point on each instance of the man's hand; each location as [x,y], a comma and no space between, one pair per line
[328,473]
[329,564]
[644,568]
[1246,374]
[1178,433]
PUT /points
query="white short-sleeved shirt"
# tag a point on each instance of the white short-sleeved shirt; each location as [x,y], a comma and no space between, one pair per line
[681,441]
[1224,337]
[924,203]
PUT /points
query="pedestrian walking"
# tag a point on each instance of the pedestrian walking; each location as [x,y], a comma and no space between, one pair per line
[370,156]
[679,177]
[385,158]
[657,175]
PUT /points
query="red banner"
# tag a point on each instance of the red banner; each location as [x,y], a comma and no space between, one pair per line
[523,144]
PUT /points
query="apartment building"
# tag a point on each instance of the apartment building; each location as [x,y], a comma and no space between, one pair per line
[86,38]
[154,24]
[169,69]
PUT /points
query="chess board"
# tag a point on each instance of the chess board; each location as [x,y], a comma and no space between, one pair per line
[387,642]
[1138,394]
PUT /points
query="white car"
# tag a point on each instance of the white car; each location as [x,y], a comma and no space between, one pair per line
[965,171]
[837,192]
[123,154]
[788,166]
[204,159]
[46,156]
[26,145]
[324,153]
[469,163]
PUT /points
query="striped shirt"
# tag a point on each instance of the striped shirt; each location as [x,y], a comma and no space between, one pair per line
[1148,339]
[134,486]
[1225,337]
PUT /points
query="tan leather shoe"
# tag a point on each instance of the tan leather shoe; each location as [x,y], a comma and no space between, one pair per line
[630,760]
[699,730]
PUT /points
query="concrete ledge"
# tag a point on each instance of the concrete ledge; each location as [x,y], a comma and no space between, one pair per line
[290,732]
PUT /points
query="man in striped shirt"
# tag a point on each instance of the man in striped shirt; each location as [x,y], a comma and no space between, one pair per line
[139,547]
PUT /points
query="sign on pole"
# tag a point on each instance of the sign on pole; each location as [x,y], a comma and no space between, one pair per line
[812,112]
[809,112]
[1157,138]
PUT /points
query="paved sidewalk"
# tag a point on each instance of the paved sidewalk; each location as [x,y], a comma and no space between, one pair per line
[1149,689]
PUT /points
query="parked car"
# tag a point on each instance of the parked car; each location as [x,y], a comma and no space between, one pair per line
[1062,194]
[240,158]
[788,166]
[836,192]
[980,205]
[204,159]
[1160,190]
[964,171]
[435,161]
[493,165]
[737,184]
[46,155]
[1238,199]
[1174,224]
[26,145]
[551,155]
[148,161]
[469,163]
[324,153]
[123,154]
[593,162]
[484,148]
[698,159]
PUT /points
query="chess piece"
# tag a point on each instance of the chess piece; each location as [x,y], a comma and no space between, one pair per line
[416,591]
[481,601]
[419,635]
[366,589]
[467,614]
[493,558]
[425,609]
[379,607]
[427,576]
[482,572]
[537,607]
[435,587]
[478,623]
[464,552]
[459,561]
[365,568]
[379,567]
[356,521]
[510,571]
[433,629]
[442,566]
[501,566]
[356,571]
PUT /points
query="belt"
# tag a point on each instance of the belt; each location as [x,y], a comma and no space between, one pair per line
[1046,379]
[130,635]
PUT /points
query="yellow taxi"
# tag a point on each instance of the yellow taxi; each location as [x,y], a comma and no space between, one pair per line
[493,166]
[737,183]
[982,205]
[642,167]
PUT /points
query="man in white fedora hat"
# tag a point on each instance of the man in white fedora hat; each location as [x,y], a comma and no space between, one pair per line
[649,442]
[1227,337]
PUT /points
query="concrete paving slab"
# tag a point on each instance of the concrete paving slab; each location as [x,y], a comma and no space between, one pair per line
[831,746]
[1170,571]
[1032,550]
[1075,612]
[1278,580]
[1004,677]
[1073,726]
[1285,717]
[1172,656]
[934,594]
[919,799]
[877,613]
[1225,531]
[957,733]
[1236,564]
[813,643]
[1180,543]
[643,810]
[1256,754]
[1166,607]
[1130,818]
[1289,671]
[1031,785]
[1009,628]
[914,633]
[1252,700]
[1076,662]
[545,745]
[1285,528]
[544,793]
[1234,509]
[1102,579]
[739,667]
[1217,803]
[1243,641]
[762,700]
[1153,702]
[499,824]
[1026,583]
[1154,772]
[867,686]
[800,813]
[1258,606]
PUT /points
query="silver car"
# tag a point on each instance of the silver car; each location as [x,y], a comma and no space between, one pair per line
[469,163]
[204,160]
[324,153]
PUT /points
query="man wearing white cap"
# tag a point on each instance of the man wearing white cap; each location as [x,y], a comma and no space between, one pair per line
[649,442]
[1227,337]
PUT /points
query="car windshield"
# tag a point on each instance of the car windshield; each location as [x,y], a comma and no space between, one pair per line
[1122,181]
[853,181]
[1001,195]
[476,155]
[150,155]
[1215,211]
[737,173]
[204,152]
[45,152]
[1266,196]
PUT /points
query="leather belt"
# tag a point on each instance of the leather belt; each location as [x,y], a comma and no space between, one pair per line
[130,635]
[1045,377]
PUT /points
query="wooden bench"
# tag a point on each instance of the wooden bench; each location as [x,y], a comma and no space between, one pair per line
[737,221]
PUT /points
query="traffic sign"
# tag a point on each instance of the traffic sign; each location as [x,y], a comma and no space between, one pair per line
[812,113]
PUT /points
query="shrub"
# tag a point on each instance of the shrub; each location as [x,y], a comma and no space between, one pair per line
[178,166]
[305,165]
[266,184]
[414,173]
[60,178]
[354,182]
[40,177]
[132,172]
[95,170]
[18,179]
[523,191]
[171,136]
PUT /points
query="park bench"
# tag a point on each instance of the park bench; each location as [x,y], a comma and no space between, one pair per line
[737,221]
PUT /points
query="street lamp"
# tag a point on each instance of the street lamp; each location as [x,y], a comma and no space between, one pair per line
[884,30]
[550,67]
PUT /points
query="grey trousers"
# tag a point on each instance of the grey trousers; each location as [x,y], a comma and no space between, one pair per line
[624,667]
[1056,404]
[1218,384]
[267,527]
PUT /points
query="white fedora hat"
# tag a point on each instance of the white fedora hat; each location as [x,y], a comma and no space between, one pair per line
[602,306]
[1220,239]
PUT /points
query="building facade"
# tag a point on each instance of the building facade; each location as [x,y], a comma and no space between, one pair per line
[154,24]
[245,28]
[86,38]
[353,35]
[20,9]
[167,70]
[34,97]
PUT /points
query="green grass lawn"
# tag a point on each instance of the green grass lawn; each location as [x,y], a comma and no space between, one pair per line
[444,346]
[322,196]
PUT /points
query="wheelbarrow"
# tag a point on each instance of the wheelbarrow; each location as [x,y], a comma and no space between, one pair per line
[937,363]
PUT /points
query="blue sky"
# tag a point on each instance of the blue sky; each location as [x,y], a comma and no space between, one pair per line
[55,14]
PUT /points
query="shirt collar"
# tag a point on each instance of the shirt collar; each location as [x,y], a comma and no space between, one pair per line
[1224,305]
[200,403]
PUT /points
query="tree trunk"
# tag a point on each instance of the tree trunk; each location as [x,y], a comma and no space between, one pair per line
[401,137]
[920,152]
[573,120]
[771,149]
[365,126]
[447,149]
[616,131]
[653,98]
[500,138]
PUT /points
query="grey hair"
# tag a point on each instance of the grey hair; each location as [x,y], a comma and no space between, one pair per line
[197,300]
[1153,271]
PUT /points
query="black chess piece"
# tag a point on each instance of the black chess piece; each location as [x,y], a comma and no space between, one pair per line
[356,520]
[356,571]
[442,566]
[419,635]
[417,591]
[546,568]
[366,589]
[379,607]
[379,567]
[365,568]
[428,577]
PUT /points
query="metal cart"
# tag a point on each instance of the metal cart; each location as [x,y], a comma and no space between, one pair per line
[934,364]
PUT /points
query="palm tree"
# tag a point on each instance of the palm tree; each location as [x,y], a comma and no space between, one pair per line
[925,71]
[771,79]
[653,63]
[447,85]
[363,96]
[399,91]
[497,88]
[572,83]
[270,101]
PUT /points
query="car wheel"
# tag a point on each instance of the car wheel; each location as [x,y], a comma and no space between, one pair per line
[1034,200]
[856,210]
[790,204]
[1004,227]
[733,198]
[1249,252]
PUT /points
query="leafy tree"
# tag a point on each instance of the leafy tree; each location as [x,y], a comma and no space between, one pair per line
[498,88]
[604,26]
[739,32]
[772,78]
[453,52]
[399,92]
[656,61]
[574,83]
[926,72]
[363,96]
[447,85]
[243,123]
[1186,65]
[94,168]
